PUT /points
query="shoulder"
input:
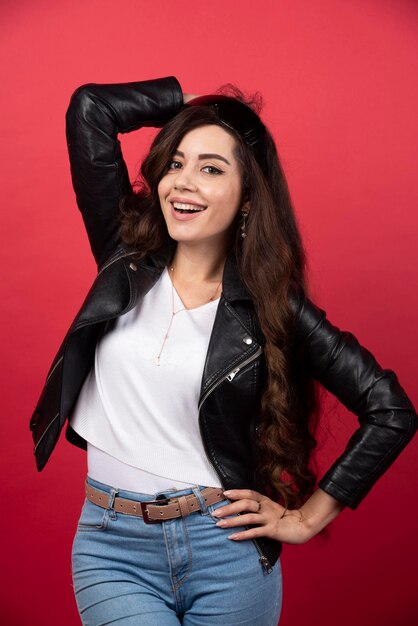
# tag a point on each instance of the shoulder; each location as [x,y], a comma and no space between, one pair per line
[307,315]
[122,251]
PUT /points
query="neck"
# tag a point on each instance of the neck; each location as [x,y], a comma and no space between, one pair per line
[197,264]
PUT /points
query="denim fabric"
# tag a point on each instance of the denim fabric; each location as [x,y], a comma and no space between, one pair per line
[181,571]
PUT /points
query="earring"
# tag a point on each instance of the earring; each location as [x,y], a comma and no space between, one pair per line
[244,217]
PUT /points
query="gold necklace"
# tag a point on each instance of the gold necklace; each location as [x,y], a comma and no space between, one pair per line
[173,313]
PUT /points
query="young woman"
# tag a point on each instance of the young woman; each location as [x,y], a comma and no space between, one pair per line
[190,372]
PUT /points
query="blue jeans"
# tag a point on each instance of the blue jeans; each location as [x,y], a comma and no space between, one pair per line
[180,571]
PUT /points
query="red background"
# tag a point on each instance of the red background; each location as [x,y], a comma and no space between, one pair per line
[338,79]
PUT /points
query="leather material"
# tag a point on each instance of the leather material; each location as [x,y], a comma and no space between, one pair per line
[173,508]
[234,373]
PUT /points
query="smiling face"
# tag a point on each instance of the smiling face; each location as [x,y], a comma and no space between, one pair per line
[200,193]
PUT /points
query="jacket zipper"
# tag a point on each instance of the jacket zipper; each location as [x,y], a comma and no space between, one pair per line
[44,433]
[265,563]
[53,369]
[231,375]
[117,258]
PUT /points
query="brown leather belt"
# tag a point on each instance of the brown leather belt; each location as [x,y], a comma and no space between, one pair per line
[155,511]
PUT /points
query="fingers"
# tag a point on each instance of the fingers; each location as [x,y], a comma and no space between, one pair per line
[246,500]
[269,519]
[240,520]
[237,494]
[244,520]
[250,506]
[189,96]
[246,508]
[252,533]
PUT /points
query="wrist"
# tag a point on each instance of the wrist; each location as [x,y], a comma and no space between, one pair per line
[318,511]
[302,529]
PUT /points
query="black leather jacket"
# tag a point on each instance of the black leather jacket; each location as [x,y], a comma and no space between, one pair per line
[234,371]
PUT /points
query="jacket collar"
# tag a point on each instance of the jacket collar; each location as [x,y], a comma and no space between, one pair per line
[233,287]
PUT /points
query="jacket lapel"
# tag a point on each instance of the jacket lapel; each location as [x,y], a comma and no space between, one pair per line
[120,284]
[230,344]
[234,336]
[232,340]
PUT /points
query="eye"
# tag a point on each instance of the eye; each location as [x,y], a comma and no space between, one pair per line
[174,165]
[211,169]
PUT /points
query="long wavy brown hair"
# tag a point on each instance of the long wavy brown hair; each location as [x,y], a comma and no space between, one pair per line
[271,261]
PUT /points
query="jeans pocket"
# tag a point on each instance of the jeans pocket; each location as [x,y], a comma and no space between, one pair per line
[92,517]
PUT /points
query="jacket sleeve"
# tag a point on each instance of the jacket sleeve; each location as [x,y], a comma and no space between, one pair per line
[387,419]
[95,116]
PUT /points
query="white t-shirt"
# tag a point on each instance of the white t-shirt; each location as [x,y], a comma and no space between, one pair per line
[140,419]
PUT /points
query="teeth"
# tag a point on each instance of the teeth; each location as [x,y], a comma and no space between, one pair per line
[187,207]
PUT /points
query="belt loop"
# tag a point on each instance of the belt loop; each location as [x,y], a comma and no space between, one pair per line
[201,499]
[113,493]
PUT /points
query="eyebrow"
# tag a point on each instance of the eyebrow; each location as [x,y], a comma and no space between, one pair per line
[207,155]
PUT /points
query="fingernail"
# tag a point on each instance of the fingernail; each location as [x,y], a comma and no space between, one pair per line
[218,513]
[222,522]
[234,536]
[227,493]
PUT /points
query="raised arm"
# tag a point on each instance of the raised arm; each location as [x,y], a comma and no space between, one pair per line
[95,116]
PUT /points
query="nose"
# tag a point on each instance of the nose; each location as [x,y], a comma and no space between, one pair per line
[184,179]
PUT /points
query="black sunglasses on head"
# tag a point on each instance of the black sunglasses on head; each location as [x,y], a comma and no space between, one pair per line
[239,118]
